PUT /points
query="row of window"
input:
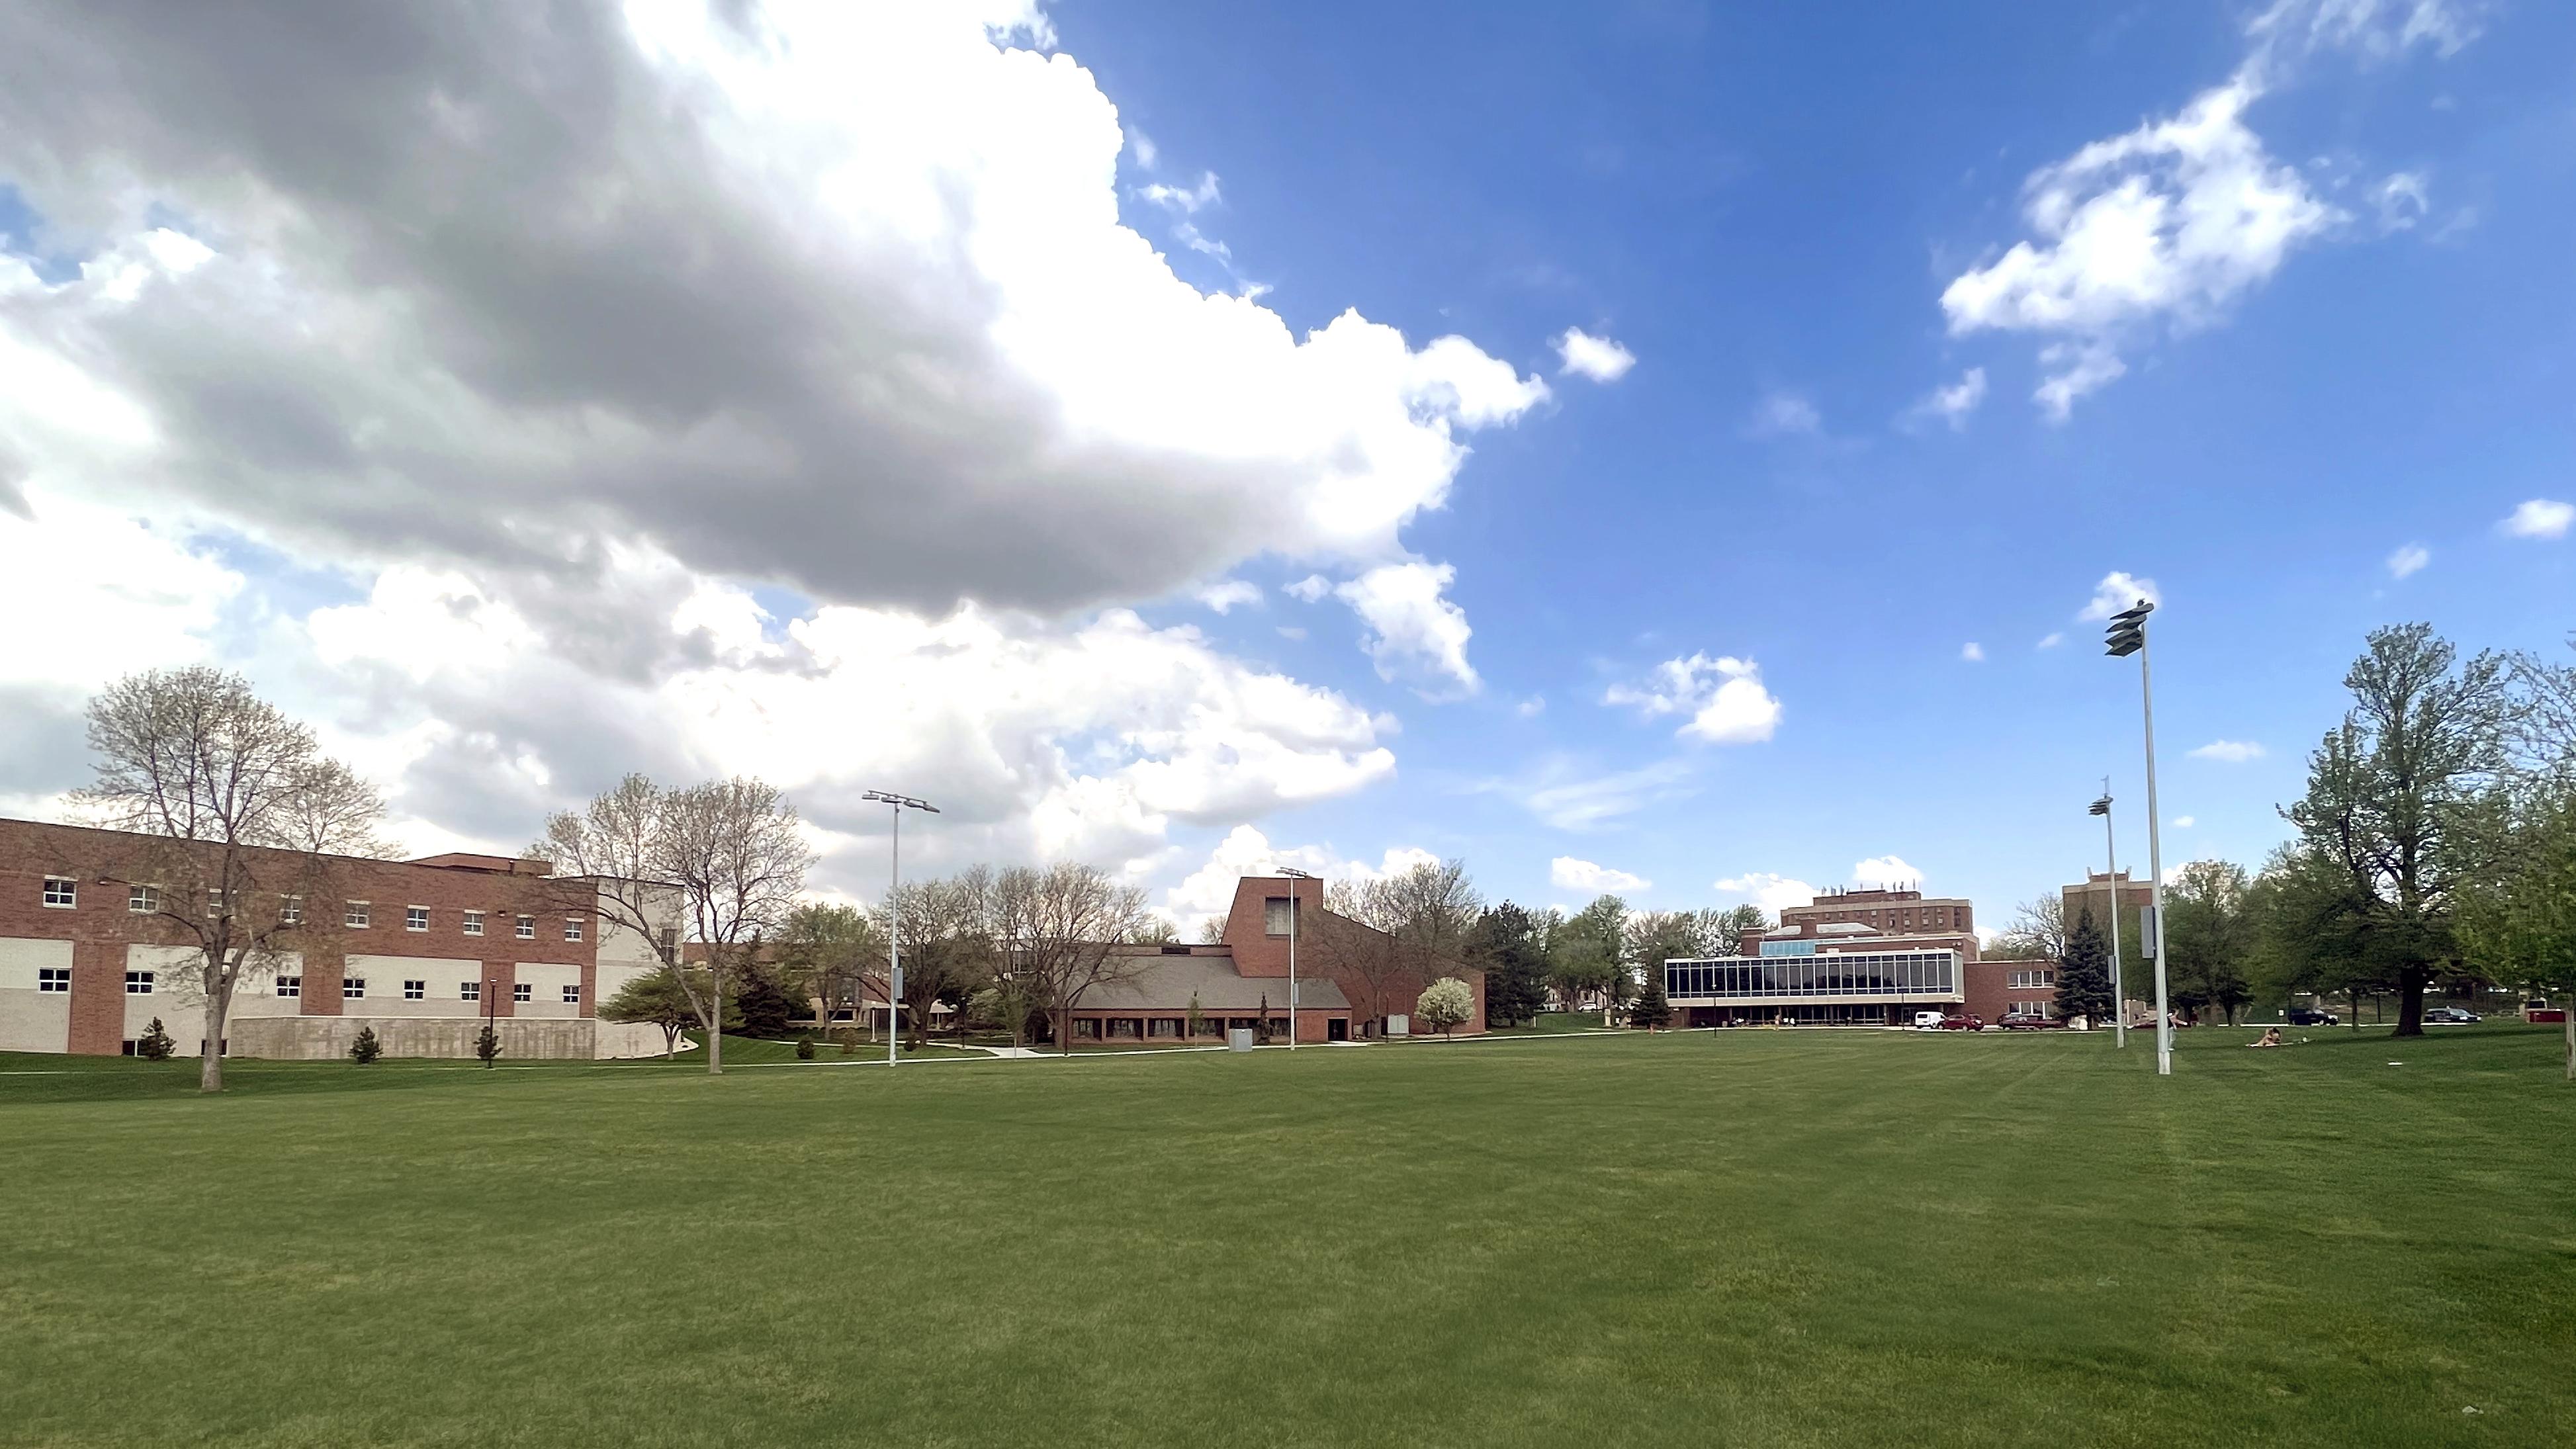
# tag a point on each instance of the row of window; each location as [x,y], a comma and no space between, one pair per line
[2029,980]
[1897,974]
[354,988]
[1131,1028]
[63,893]
[58,979]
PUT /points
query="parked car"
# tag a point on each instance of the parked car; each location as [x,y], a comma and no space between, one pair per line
[2448,1016]
[2311,1016]
[1927,1021]
[2032,1022]
[1963,1023]
[2539,1009]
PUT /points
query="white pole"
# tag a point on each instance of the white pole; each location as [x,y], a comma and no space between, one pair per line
[1292,963]
[2155,869]
[894,937]
[2111,859]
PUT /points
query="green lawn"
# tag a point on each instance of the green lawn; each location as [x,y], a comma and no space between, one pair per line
[1756,1238]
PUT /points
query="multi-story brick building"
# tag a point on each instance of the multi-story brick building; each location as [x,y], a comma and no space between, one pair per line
[1860,958]
[423,951]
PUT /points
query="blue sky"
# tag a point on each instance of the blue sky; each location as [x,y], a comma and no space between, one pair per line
[2360,349]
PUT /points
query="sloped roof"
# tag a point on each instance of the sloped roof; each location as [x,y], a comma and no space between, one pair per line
[1166,983]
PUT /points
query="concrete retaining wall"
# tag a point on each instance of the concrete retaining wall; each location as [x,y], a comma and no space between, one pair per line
[320,1038]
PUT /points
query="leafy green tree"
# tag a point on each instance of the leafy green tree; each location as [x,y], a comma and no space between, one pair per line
[2518,924]
[2084,973]
[1446,1004]
[154,1045]
[1723,929]
[826,953]
[2402,801]
[655,999]
[1506,945]
[1586,953]
[2208,938]
[487,1045]
[366,1048]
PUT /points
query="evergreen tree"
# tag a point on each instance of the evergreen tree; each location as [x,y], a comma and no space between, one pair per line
[366,1048]
[154,1045]
[1506,945]
[2084,973]
[765,1009]
[1653,1010]
[487,1044]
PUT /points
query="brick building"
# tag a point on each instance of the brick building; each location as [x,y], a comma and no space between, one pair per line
[423,951]
[1860,958]
[1345,986]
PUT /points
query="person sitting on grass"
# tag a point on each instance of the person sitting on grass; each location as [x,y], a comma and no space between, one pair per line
[2271,1037]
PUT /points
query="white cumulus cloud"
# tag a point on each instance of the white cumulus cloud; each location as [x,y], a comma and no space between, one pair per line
[2408,559]
[2116,592]
[1885,871]
[1229,594]
[2233,752]
[1973,652]
[1567,873]
[1771,892]
[1952,404]
[1723,696]
[1209,889]
[1415,635]
[1597,358]
[2539,518]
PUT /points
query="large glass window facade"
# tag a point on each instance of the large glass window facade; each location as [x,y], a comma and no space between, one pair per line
[1884,976]
[1788,948]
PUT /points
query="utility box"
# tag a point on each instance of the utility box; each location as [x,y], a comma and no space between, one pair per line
[1238,1038]
[1399,1026]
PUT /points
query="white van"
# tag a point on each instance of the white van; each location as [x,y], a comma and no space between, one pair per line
[1927,1021]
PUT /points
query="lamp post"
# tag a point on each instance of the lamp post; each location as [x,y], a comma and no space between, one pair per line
[2127,635]
[894,912]
[2111,865]
[1293,875]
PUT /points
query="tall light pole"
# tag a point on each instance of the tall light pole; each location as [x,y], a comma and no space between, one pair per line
[2111,864]
[894,913]
[2126,636]
[1293,875]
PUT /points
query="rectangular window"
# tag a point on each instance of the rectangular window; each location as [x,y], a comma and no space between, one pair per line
[61,892]
[474,923]
[218,902]
[1085,1027]
[353,988]
[2030,980]
[290,986]
[1122,1026]
[523,992]
[143,900]
[138,983]
[415,990]
[415,918]
[53,979]
[572,928]
[670,939]
[572,996]
[355,917]
[469,991]
[1274,916]
[290,910]
[1163,1026]
[527,928]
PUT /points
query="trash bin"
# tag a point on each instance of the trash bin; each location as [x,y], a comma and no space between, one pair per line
[1238,1039]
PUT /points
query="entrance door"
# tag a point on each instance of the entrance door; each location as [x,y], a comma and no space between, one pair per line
[1337,1028]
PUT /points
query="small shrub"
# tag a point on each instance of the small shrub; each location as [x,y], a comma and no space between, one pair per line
[849,1042]
[804,1048]
[488,1045]
[154,1045]
[366,1048]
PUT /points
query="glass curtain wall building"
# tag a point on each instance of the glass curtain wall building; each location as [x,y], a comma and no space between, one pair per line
[1874,988]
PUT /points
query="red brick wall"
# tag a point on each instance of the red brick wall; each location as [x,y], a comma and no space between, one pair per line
[101,928]
[1258,953]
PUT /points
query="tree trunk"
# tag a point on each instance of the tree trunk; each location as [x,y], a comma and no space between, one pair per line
[2410,1001]
[715,1033]
[2570,1029]
[210,1060]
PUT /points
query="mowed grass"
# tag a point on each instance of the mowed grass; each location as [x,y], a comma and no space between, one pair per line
[1750,1237]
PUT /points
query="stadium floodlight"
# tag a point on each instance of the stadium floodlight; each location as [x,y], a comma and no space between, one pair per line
[2127,635]
[1293,875]
[2111,864]
[894,915]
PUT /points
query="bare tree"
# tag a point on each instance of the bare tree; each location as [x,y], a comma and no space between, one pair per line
[716,865]
[239,816]
[1057,931]
[829,951]
[2037,932]
[1354,939]
[1434,907]
[946,927]
[1212,930]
